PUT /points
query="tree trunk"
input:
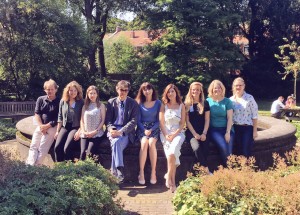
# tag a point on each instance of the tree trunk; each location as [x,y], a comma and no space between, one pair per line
[295,86]
[92,60]
[102,60]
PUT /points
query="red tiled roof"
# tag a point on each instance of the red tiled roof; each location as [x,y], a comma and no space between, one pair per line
[240,40]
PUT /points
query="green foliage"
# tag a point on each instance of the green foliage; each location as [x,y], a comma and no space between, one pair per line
[264,24]
[7,129]
[240,189]
[290,59]
[38,41]
[120,56]
[195,43]
[69,188]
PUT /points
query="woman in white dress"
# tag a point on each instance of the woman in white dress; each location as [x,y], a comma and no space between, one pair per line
[172,119]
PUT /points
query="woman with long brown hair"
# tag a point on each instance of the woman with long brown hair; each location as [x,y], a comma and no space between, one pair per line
[91,124]
[172,121]
[148,128]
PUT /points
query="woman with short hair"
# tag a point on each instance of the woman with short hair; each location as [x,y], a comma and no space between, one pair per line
[221,112]
[245,114]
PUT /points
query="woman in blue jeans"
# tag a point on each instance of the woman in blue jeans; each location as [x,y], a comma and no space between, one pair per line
[221,112]
[245,113]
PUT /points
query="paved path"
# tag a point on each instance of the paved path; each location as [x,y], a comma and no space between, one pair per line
[152,199]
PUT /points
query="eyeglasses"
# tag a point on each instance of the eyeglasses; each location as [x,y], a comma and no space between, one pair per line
[124,90]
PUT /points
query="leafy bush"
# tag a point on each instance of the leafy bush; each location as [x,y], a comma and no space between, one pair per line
[7,130]
[69,188]
[240,189]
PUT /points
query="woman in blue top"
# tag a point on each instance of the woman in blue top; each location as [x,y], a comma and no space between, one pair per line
[221,112]
[148,128]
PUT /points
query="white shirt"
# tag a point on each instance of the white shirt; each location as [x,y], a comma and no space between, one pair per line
[276,106]
[244,109]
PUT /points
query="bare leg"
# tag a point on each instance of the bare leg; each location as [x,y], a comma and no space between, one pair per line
[153,159]
[143,157]
[172,172]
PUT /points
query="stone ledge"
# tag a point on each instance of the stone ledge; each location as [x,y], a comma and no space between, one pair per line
[274,135]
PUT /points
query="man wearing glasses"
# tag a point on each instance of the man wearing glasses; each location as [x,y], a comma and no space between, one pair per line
[121,120]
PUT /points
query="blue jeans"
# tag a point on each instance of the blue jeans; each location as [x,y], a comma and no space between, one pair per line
[244,139]
[217,135]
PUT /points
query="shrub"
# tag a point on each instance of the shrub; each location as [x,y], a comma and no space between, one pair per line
[241,189]
[7,130]
[69,188]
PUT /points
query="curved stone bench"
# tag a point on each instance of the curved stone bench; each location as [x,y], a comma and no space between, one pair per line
[274,135]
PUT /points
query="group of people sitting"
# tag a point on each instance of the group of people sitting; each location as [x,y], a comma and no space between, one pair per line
[217,118]
[277,108]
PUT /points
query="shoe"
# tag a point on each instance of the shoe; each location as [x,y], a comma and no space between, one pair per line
[173,188]
[120,174]
[167,181]
[153,181]
[120,179]
[141,181]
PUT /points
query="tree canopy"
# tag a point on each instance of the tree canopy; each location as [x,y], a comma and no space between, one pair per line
[37,42]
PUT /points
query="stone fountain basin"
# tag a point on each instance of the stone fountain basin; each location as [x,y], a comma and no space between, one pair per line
[274,136]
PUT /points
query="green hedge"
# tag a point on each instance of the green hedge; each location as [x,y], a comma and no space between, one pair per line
[7,130]
[241,189]
[69,188]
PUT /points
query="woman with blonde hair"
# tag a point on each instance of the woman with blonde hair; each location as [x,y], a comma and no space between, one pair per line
[148,128]
[91,124]
[68,122]
[172,121]
[197,121]
[221,112]
[245,114]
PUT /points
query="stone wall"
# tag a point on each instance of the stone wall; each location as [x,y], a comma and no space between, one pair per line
[273,136]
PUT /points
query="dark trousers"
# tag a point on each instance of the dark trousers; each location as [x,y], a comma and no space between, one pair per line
[244,139]
[90,146]
[64,143]
[202,153]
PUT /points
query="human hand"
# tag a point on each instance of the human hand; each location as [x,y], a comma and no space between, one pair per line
[77,135]
[170,137]
[197,136]
[147,132]
[203,137]
[227,137]
[255,135]
[115,133]
[44,128]
[55,135]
